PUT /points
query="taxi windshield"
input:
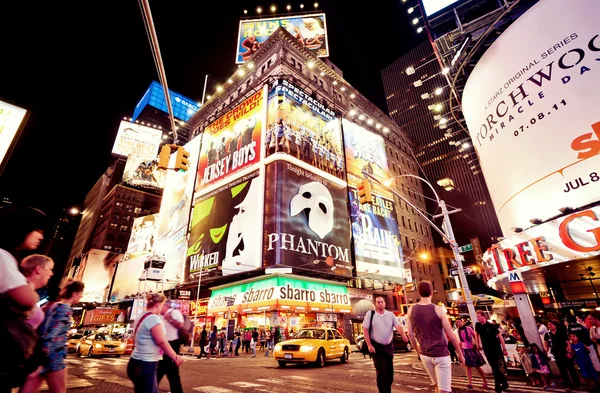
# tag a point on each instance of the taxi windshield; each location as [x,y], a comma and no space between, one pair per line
[104,337]
[316,334]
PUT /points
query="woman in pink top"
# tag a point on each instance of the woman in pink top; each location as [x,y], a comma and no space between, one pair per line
[473,357]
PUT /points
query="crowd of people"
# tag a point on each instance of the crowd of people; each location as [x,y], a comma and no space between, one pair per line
[216,343]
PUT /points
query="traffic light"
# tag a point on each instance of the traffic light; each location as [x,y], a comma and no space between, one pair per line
[182,161]
[364,192]
[164,156]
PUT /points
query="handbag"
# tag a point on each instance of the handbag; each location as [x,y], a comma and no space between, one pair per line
[364,349]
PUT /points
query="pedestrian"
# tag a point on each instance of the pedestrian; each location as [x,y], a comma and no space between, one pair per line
[269,343]
[428,326]
[378,330]
[503,328]
[543,332]
[276,336]
[150,343]
[593,323]
[491,341]
[212,341]
[238,337]
[172,320]
[254,341]
[580,353]
[21,232]
[203,337]
[53,340]
[248,337]
[540,363]
[583,336]
[472,355]
[557,333]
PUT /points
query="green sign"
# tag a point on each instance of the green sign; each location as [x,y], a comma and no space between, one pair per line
[468,247]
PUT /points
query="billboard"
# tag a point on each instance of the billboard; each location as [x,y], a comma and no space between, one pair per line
[96,270]
[376,237]
[137,140]
[183,107]
[364,150]
[143,231]
[309,30]
[302,126]
[306,221]
[143,172]
[173,219]
[231,143]
[225,229]
[11,118]
[531,109]
[433,6]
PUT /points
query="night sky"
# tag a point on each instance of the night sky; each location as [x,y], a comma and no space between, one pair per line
[80,67]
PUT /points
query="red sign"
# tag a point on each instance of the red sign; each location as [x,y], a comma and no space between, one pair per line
[201,310]
[103,316]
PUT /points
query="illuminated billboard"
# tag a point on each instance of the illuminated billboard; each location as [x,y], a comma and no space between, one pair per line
[434,6]
[183,107]
[143,231]
[11,118]
[532,112]
[304,127]
[225,230]
[364,151]
[96,270]
[232,142]
[309,30]
[137,140]
[376,237]
[143,172]
[306,221]
[170,240]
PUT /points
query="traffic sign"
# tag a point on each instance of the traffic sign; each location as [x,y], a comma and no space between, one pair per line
[465,248]
[467,270]
[485,302]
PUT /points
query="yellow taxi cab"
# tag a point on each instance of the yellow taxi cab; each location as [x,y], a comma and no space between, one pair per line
[74,338]
[100,344]
[312,345]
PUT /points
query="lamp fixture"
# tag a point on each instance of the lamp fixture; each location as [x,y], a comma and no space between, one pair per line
[517,229]
[536,221]
[410,70]
[419,29]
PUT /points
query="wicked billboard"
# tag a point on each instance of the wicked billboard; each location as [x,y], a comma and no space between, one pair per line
[304,127]
[306,221]
[225,229]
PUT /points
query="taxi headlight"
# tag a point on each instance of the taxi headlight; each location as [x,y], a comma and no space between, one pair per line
[278,347]
[122,345]
[98,346]
[307,348]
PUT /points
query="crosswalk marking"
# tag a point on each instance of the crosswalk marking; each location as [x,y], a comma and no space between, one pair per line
[298,377]
[72,383]
[246,384]
[273,381]
[213,389]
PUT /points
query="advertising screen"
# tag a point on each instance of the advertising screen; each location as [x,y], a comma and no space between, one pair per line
[433,6]
[183,107]
[137,140]
[232,142]
[303,127]
[531,106]
[309,30]
[96,270]
[364,150]
[143,172]
[173,220]
[225,229]
[143,231]
[376,238]
[11,118]
[306,221]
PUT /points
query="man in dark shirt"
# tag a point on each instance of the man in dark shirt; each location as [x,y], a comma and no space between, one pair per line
[489,337]
[255,341]
[565,364]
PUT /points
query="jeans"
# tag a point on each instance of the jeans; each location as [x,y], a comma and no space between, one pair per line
[500,381]
[237,347]
[383,360]
[269,347]
[453,356]
[253,345]
[143,376]
[202,351]
[567,368]
[168,367]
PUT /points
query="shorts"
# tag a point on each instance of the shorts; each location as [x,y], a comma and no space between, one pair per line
[440,371]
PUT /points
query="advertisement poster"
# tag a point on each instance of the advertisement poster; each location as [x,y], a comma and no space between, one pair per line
[365,150]
[306,221]
[303,127]
[232,142]
[137,140]
[11,118]
[531,106]
[173,219]
[309,30]
[225,230]
[143,231]
[143,172]
[127,278]
[377,246]
[96,271]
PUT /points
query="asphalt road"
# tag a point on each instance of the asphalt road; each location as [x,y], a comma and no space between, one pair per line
[261,374]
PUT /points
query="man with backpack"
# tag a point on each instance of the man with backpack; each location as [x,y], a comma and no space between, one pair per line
[174,322]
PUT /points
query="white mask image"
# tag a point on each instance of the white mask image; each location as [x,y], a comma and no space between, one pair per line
[314,200]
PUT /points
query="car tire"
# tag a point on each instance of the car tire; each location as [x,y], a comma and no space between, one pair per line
[281,363]
[117,356]
[320,362]
[344,358]
[409,347]
[90,352]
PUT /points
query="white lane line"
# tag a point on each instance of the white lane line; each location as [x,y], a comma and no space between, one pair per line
[213,389]
[242,384]
[273,381]
[298,377]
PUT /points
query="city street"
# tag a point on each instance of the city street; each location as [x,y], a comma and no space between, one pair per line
[260,374]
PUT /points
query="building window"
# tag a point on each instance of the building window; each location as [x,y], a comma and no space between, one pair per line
[403,224]
[113,226]
[406,241]
[108,247]
[124,228]
[119,204]
[118,250]
[293,61]
[137,210]
[414,244]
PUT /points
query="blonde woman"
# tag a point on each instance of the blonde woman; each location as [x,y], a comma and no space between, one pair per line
[150,343]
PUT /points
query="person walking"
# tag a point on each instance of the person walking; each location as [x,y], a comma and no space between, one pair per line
[212,341]
[472,355]
[579,352]
[254,342]
[560,346]
[540,364]
[428,329]
[203,336]
[238,343]
[491,341]
[583,336]
[378,330]
[150,343]
[53,337]
[172,320]
[269,343]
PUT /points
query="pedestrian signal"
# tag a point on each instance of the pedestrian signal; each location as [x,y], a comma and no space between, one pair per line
[364,192]
[182,161]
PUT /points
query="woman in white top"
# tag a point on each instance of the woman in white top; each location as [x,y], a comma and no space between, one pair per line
[150,343]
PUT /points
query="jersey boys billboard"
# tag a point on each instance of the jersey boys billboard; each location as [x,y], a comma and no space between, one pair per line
[232,142]
[309,30]
[306,221]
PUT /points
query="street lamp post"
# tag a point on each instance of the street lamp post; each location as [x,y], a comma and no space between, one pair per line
[447,233]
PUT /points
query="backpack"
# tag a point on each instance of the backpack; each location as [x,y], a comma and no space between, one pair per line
[185,331]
